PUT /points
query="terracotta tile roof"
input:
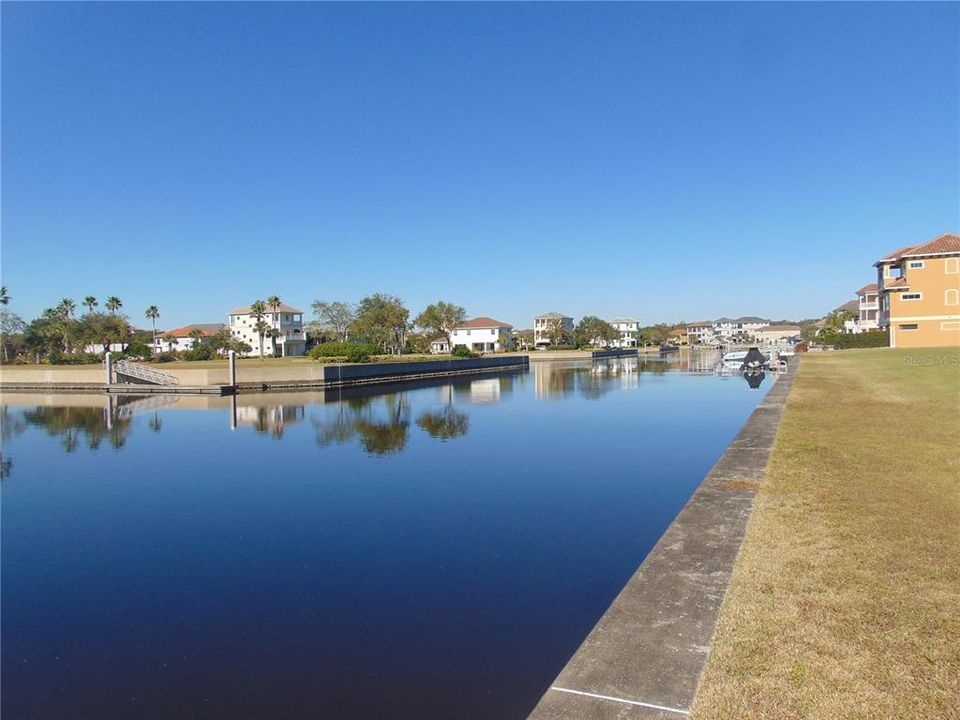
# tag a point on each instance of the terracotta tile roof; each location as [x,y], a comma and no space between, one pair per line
[208,330]
[946,243]
[900,282]
[245,310]
[895,255]
[484,322]
[871,288]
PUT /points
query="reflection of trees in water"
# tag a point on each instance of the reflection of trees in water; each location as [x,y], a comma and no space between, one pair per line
[11,424]
[380,433]
[446,424]
[155,423]
[76,424]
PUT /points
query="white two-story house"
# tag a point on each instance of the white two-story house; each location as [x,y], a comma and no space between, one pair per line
[479,334]
[868,306]
[701,332]
[284,337]
[629,330]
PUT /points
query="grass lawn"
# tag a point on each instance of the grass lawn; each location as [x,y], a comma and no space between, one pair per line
[845,599]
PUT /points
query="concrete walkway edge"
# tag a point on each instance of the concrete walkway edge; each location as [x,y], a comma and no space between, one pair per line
[644,657]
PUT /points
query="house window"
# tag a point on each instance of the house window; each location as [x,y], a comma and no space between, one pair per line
[951,325]
[951,297]
[907,326]
[912,296]
[915,265]
[951,266]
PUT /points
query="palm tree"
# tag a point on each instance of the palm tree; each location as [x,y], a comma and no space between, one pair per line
[258,308]
[273,333]
[171,342]
[113,304]
[274,303]
[261,328]
[66,308]
[152,313]
[197,336]
[4,296]
[89,302]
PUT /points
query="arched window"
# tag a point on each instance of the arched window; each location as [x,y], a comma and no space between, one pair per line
[951,297]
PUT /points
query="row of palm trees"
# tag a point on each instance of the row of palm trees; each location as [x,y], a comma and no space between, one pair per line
[67,307]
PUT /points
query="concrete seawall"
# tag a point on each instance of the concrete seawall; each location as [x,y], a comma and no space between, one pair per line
[625,352]
[87,378]
[644,657]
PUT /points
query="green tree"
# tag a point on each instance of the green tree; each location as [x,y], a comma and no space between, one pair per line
[113,304]
[152,313]
[592,330]
[11,326]
[104,329]
[655,334]
[337,316]
[382,320]
[442,318]
[89,302]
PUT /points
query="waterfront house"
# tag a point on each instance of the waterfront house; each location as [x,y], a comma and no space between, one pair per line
[919,293]
[482,334]
[629,330]
[866,307]
[440,346]
[701,333]
[286,323]
[773,334]
[548,325]
[741,328]
[678,336]
[184,338]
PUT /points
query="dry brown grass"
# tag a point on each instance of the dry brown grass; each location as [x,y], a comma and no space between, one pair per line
[845,600]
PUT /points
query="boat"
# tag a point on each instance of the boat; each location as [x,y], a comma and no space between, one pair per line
[751,359]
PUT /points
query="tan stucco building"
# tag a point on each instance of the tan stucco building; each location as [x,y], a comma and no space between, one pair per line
[919,289]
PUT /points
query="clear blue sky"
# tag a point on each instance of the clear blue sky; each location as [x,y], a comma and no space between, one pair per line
[666,161]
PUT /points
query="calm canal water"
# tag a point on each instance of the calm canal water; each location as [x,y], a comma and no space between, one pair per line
[418,551]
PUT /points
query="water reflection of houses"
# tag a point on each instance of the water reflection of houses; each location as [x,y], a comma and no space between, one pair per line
[268,418]
[557,380]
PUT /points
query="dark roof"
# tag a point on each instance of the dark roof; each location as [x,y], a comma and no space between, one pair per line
[871,288]
[848,305]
